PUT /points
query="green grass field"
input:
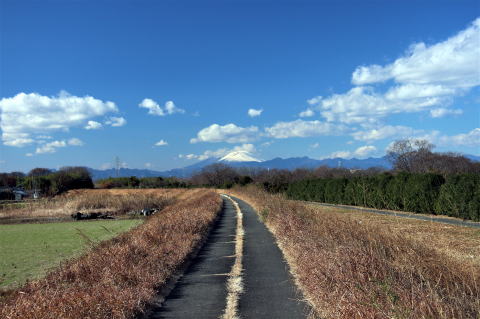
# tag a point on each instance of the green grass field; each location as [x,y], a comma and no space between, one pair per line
[29,251]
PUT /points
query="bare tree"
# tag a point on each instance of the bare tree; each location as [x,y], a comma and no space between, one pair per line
[405,154]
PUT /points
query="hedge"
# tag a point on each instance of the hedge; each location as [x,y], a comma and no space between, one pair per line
[456,195]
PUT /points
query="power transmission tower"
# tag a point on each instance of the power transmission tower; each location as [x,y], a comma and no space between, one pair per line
[117,166]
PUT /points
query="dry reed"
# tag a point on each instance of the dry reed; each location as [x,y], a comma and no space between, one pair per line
[349,269]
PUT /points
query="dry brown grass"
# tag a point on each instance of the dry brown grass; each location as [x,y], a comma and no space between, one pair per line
[114,202]
[350,267]
[117,278]
[460,243]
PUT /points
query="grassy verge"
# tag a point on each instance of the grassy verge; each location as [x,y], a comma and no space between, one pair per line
[29,251]
[350,268]
[120,276]
[460,243]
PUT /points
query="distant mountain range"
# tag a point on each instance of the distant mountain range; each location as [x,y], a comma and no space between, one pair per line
[244,159]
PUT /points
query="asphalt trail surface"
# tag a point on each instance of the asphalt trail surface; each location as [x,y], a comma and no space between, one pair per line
[269,291]
[404,215]
[201,292]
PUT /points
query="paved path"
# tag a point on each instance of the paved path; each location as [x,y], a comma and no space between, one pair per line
[269,291]
[456,222]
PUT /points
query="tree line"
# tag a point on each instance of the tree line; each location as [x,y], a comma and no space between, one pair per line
[145,182]
[46,181]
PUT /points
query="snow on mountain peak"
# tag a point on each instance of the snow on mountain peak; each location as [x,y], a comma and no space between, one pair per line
[239,156]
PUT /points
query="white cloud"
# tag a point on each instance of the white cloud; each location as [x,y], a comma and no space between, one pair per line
[301,128]
[364,105]
[148,165]
[171,108]
[229,133]
[155,109]
[51,147]
[307,113]
[440,112]
[26,115]
[254,112]
[470,139]
[161,143]
[340,154]
[364,151]
[93,125]
[387,131]
[453,63]
[220,152]
[75,142]
[314,100]
[361,152]
[105,166]
[116,121]
[315,145]
[426,78]
[152,106]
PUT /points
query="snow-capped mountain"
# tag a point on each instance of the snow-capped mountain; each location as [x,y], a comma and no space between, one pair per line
[239,156]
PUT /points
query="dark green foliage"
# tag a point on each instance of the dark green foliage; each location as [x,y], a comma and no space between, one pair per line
[457,196]
[421,192]
[460,197]
[145,182]
[54,183]
[70,178]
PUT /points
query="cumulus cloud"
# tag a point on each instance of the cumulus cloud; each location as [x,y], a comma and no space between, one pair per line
[307,113]
[364,151]
[441,112]
[340,154]
[470,139]
[26,115]
[93,125]
[254,112]
[229,133]
[365,105]
[219,152]
[383,132]
[116,121]
[301,128]
[450,63]
[161,143]
[171,108]
[427,78]
[75,142]
[51,147]
[155,109]
[361,152]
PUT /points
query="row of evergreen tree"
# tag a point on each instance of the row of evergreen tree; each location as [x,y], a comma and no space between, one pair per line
[454,195]
[144,182]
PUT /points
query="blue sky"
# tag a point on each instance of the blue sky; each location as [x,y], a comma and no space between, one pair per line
[163,84]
